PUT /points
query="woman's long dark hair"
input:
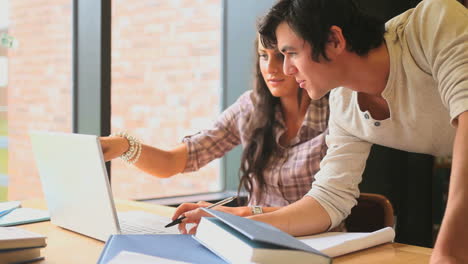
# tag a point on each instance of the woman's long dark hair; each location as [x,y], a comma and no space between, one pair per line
[261,144]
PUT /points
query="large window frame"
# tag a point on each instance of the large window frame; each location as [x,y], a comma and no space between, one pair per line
[92,74]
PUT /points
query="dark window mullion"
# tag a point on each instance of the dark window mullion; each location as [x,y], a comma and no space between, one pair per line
[92,67]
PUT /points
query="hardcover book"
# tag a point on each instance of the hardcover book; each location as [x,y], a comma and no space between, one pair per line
[241,240]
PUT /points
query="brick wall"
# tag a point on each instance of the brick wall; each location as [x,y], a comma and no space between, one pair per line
[165,84]
[3,120]
[39,90]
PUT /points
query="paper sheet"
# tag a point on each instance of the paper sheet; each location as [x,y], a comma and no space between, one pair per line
[339,243]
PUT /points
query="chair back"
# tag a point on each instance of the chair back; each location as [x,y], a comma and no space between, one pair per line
[372,212]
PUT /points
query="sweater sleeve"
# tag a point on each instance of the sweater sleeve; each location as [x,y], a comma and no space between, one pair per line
[336,184]
[437,35]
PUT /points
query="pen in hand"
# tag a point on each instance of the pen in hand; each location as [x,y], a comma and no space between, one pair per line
[222,202]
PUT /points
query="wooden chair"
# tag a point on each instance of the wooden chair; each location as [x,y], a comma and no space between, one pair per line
[372,212]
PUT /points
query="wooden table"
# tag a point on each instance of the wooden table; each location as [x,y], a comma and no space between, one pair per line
[64,246]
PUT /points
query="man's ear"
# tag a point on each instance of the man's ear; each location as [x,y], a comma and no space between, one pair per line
[336,43]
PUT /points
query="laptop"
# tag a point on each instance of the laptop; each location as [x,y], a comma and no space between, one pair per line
[77,190]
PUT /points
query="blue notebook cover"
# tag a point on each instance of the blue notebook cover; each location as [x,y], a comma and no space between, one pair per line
[175,247]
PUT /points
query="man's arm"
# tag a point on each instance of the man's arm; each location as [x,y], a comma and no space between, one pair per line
[452,242]
[437,33]
[335,188]
[303,217]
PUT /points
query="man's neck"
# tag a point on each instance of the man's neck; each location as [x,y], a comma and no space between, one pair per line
[368,74]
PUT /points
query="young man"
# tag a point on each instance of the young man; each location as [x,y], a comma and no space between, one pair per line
[403,85]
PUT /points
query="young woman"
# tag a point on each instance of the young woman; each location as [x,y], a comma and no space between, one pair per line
[281,129]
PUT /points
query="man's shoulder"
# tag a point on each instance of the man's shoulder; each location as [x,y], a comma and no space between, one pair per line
[426,9]
[339,94]
[398,21]
[437,4]
[340,100]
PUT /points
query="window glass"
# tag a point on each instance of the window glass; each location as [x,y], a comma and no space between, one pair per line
[166,58]
[35,87]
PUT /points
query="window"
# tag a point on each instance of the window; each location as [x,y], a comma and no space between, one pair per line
[37,94]
[170,78]
[3,103]
[166,71]
[3,126]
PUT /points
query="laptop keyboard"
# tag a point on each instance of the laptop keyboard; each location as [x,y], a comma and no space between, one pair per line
[139,222]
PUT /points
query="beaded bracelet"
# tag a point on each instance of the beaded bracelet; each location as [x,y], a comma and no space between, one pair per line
[133,153]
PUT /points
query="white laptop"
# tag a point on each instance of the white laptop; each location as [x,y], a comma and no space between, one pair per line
[77,191]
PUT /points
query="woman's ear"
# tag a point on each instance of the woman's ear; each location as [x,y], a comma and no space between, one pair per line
[336,43]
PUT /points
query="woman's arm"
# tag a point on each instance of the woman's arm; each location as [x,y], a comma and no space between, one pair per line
[196,151]
[154,161]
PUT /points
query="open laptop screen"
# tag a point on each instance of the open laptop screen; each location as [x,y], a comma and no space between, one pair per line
[75,182]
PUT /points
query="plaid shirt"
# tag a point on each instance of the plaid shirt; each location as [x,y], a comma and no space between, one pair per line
[289,172]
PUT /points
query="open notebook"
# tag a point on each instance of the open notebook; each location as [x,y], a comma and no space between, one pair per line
[264,243]
[336,244]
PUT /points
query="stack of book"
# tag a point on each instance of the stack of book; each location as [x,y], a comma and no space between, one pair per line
[18,245]
[226,238]
[241,240]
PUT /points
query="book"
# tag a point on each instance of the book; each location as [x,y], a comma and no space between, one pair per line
[14,237]
[21,255]
[21,216]
[335,244]
[242,240]
[175,247]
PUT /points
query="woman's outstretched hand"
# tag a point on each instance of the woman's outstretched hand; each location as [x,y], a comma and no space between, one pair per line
[113,147]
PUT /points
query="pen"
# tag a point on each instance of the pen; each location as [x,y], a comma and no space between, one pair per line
[7,211]
[222,202]
[10,206]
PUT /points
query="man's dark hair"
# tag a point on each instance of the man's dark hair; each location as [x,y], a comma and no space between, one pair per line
[311,20]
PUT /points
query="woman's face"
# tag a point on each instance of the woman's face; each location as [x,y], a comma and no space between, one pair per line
[271,67]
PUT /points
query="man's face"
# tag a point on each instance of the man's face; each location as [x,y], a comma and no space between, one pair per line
[318,78]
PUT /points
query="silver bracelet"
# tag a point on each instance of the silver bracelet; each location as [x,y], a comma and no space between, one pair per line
[133,153]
